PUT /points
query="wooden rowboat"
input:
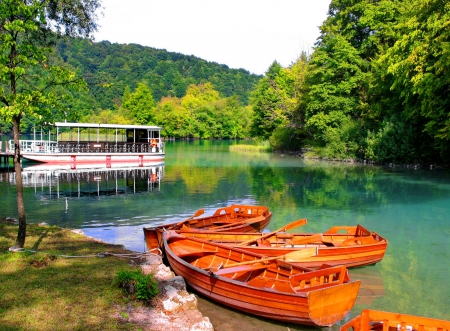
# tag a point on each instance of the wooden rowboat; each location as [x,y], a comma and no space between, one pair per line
[234,218]
[380,320]
[351,246]
[271,288]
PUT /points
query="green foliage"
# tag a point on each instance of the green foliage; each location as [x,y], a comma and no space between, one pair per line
[334,81]
[109,68]
[417,67]
[376,86]
[202,113]
[340,142]
[30,76]
[139,105]
[267,101]
[136,285]
[260,147]
[393,142]
[285,139]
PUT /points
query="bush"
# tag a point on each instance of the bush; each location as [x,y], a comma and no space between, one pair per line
[286,139]
[136,285]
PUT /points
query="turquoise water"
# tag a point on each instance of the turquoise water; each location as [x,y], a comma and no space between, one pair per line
[409,207]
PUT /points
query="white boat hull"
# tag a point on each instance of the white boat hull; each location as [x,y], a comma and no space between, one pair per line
[96,157]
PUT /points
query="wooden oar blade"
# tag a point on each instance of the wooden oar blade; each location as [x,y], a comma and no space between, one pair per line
[293,225]
[299,255]
[230,225]
[179,224]
[198,213]
[309,239]
[289,226]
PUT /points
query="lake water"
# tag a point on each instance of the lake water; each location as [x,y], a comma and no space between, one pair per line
[409,207]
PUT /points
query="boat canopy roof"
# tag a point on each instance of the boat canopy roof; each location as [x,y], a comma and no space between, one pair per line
[106,126]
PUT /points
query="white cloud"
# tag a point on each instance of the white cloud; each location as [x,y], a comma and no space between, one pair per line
[247,34]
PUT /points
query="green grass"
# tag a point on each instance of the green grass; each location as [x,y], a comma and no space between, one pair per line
[263,148]
[40,291]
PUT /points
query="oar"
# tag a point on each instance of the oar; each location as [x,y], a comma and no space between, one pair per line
[289,226]
[308,239]
[295,256]
[196,214]
[229,225]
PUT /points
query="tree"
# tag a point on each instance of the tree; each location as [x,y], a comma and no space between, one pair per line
[140,104]
[29,76]
[268,101]
[417,68]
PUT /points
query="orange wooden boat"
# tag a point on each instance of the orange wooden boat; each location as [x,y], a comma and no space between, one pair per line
[234,218]
[385,321]
[271,288]
[351,246]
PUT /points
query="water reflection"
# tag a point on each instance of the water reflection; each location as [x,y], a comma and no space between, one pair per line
[63,181]
[410,208]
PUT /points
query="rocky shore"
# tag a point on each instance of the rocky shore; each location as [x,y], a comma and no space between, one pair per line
[173,309]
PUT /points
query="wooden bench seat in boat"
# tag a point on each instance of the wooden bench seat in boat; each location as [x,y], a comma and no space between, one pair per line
[280,285]
[196,253]
[239,269]
[183,252]
[366,240]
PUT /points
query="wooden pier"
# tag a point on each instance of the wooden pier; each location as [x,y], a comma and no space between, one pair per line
[5,156]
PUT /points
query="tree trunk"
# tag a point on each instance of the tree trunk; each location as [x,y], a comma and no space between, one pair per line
[20,241]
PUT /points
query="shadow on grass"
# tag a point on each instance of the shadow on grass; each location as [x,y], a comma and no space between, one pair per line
[62,293]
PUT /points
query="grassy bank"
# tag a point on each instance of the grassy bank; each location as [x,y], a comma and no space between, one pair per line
[49,291]
[261,148]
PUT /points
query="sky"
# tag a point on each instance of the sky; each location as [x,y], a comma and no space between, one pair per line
[248,34]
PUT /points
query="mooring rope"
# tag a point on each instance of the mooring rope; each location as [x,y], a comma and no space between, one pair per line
[134,255]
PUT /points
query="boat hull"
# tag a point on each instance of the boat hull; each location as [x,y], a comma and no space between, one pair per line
[352,256]
[357,248]
[319,306]
[94,157]
[234,218]
[381,320]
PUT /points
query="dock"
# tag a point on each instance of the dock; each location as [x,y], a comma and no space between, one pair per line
[5,156]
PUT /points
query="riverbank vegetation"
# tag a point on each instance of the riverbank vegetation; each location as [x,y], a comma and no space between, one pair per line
[375,88]
[60,282]
[256,147]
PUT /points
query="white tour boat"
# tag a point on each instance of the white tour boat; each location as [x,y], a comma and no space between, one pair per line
[89,143]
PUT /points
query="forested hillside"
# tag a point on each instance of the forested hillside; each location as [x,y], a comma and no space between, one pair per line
[116,66]
[114,71]
[376,88]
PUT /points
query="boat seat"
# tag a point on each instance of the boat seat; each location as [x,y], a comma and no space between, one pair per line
[239,269]
[366,240]
[279,285]
[195,253]
[221,222]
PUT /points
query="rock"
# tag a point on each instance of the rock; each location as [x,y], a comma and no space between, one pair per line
[8,220]
[177,298]
[173,309]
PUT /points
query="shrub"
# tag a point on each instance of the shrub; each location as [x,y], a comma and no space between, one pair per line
[136,285]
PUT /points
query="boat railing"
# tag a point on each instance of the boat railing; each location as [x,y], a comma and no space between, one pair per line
[45,146]
[395,321]
[35,146]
